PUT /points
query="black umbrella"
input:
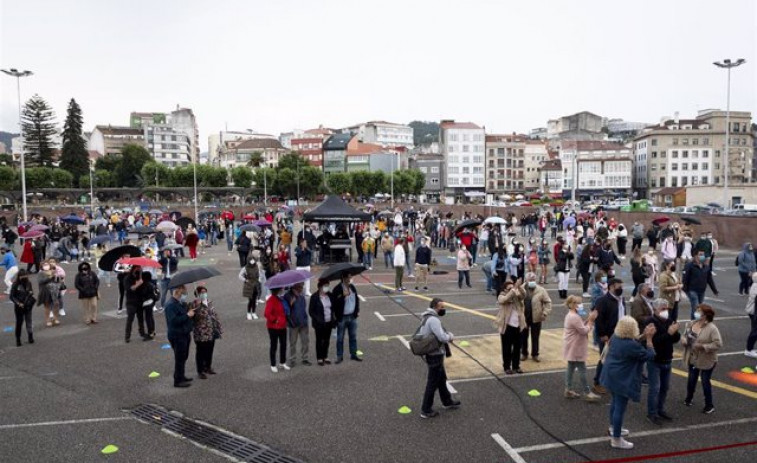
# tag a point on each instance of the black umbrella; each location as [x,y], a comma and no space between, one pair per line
[467,224]
[142,230]
[108,260]
[171,247]
[691,220]
[192,276]
[184,222]
[336,271]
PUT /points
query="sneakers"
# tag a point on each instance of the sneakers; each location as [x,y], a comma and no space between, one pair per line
[620,443]
[425,288]
[285,367]
[587,295]
[597,389]
[623,432]
[452,405]
[249,316]
[255,316]
[431,414]
[688,403]
[654,419]
[591,397]
[119,311]
[708,409]
[571,394]
[274,369]
[751,353]
[665,416]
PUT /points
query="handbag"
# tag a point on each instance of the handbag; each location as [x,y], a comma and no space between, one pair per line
[424,345]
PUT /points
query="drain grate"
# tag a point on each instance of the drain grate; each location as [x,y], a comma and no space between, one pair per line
[207,436]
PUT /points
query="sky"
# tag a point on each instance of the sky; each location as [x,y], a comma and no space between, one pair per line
[273,66]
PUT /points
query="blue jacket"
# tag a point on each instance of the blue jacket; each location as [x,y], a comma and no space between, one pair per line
[298,312]
[9,260]
[304,257]
[621,371]
[178,323]
[745,260]
[423,255]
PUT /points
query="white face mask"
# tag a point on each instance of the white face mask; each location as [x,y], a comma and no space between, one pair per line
[325,288]
[664,315]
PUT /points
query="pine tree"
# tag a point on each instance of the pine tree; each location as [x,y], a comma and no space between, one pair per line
[74,155]
[38,125]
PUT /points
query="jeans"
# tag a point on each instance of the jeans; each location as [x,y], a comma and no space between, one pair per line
[277,337]
[180,346]
[659,383]
[322,340]
[436,380]
[691,385]
[348,322]
[535,329]
[242,257]
[367,259]
[580,367]
[408,265]
[204,355]
[696,298]
[463,274]
[229,240]
[598,372]
[398,273]
[149,319]
[474,252]
[510,341]
[617,411]
[752,338]
[388,259]
[745,283]
[489,281]
[164,290]
[23,315]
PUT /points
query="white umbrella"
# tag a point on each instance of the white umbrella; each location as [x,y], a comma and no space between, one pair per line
[166,225]
[506,197]
[519,197]
[495,220]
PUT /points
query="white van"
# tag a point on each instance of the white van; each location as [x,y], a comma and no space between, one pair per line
[745,207]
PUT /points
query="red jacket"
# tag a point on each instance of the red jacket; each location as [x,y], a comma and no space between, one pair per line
[27,256]
[274,314]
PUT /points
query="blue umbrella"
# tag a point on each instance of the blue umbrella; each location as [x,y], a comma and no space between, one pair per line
[99,239]
[288,278]
[72,219]
[569,222]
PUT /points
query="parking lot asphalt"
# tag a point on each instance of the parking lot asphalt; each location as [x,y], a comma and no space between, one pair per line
[68,395]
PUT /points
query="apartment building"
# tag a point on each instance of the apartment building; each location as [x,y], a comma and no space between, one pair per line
[505,163]
[386,134]
[536,154]
[109,140]
[598,169]
[462,146]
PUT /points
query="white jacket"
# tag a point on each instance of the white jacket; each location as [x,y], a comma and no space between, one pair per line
[752,295]
[399,256]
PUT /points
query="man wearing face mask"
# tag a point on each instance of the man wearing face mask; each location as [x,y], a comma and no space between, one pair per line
[179,326]
[437,376]
[696,277]
[134,299]
[641,307]
[346,310]
[704,245]
[659,367]
[610,308]
[538,306]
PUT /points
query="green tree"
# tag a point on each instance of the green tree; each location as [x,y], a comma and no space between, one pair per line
[74,155]
[104,179]
[424,133]
[286,182]
[338,183]
[133,158]
[256,159]
[379,182]
[38,126]
[241,176]
[6,159]
[111,163]
[291,161]
[155,174]
[361,182]
[62,178]
[209,176]
[7,178]
[403,182]
[182,176]
[419,181]
[265,177]
[311,181]
[39,177]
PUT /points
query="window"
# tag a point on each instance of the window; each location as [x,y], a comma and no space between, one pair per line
[717,166]
[663,154]
[453,181]
[694,166]
[453,170]
[466,170]
[704,180]
[653,167]
[675,141]
[685,166]
[434,181]
[500,151]
[466,148]
[695,154]
[491,151]
[654,183]
[451,149]
[478,159]
[717,153]
[422,169]
[705,141]
[662,182]
[478,170]
[674,166]
[654,142]
[685,141]
[434,170]
[465,160]
[705,166]
[694,141]
[685,154]
[453,159]
[465,180]
[654,154]
[684,180]
[705,153]
[735,127]
[675,154]
[674,181]
[452,137]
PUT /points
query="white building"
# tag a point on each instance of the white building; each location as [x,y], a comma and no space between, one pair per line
[182,120]
[384,133]
[168,145]
[462,146]
[550,177]
[219,142]
[603,169]
[536,155]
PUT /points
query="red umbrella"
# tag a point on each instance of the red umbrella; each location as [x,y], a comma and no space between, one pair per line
[661,219]
[33,234]
[248,217]
[227,215]
[141,261]
[527,204]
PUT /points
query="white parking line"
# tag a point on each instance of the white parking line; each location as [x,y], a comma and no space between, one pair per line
[508,448]
[713,299]
[451,389]
[360,296]
[379,316]
[452,311]
[654,432]
[59,423]
[404,342]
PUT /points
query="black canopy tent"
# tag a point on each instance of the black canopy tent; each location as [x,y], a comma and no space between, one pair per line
[334,209]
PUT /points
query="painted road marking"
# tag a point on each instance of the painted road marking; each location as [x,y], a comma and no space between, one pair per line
[404,342]
[721,385]
[654,432]
[30,376]
[379,316]
[447,304]
[360,296]
[508,448]
[713,299]
[66,422]
[421,313]
[451,389]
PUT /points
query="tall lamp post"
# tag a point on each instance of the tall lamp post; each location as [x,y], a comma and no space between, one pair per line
[194,165]
[727,64]
[391,181]
[18,75]
[91,190]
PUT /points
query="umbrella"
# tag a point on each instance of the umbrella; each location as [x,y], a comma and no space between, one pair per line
[248,217]
[142,230]
[506,197]
[155,212]
[661,219]
[171,247]
[285,208]
[262,223]
[108,260]
[193,276]
[141,261]
[98,222]
[33,234]
[72,219]
[569,222]
[227,215]
[715,205]
[385,213]
[370,205]
[166,225]
[287,278]
[691,220]
[185,222]
[99,239]
[495,220]
[249,227]
[467,224]
[175,215]
[336,271]
[39,227]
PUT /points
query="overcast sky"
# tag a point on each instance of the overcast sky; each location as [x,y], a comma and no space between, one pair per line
[273,66]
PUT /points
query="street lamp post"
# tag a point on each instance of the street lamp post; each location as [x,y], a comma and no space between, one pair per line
[727,64]
[392,181]
[91,190]
[194,165]
[18,75]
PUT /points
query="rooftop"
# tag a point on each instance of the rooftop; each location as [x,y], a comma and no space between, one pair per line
[451,124]
[337,141]
[260,143]
[593,145]
[112,130]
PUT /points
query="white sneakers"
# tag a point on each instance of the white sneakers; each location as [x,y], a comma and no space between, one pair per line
[591,397]
[249,316]
[586,295]
[62,313]
[620,443]
[623,432]
[255,316]
[285,366]
[751,353]
[274,369]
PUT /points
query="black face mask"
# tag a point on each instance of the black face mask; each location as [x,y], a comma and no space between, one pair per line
[442,312]
[673,268]
[650,294]
[618,291]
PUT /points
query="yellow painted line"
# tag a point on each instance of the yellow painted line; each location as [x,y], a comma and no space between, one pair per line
[447,304]
[721,385]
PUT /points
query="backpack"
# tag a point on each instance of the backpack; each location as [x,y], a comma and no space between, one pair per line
[424,345]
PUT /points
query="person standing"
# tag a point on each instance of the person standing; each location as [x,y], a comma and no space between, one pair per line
[745,262]
[88,285]
[537,306]
[276,311]
[191,241]
[387,245]
[369,248]
[610,308]
[346,310]
[150,295]
[250,277]
[207,328]
[543,253]
[48,295]
[752,313]
[134,300]
[659,368]
[670,287]
[701,342]
[422,264]
[22,296]
[179,325]
[303,259]
[576,347]
[323,321]
[564,259]
[168,264]
[696,277]
[298,325]
[399,265]
[622,373]
[637,233]
[436,379]
[463,266]
[243,244]
[11,266]
[510,322]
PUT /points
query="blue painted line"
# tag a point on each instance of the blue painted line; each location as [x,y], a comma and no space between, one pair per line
[165,346]
[8,329]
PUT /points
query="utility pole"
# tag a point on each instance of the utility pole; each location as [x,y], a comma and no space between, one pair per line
[18,75]
[728,64]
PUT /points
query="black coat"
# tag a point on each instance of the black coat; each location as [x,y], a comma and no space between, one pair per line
[662,340]
[315,310]
[87,284]
[607,316]
[337,301]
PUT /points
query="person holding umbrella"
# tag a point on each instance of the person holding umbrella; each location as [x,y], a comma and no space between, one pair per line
[323,320]
[134,299]
[297,323]
[88,285]
[179,324]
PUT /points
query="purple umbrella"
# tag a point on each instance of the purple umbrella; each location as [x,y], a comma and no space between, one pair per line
[39,227]
[569,222]
[262,223]
[288,278]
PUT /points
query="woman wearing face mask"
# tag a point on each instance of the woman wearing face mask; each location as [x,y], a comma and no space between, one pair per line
[670,288]
[207,328]
[564,259]
[88,285]
[250,276]
[323,321]
[746,264]
[510,321]
[463,267]
[22,296]
[276,323]
[134,298]
[576,347]
[701,340]
[543,252]
[49,291]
